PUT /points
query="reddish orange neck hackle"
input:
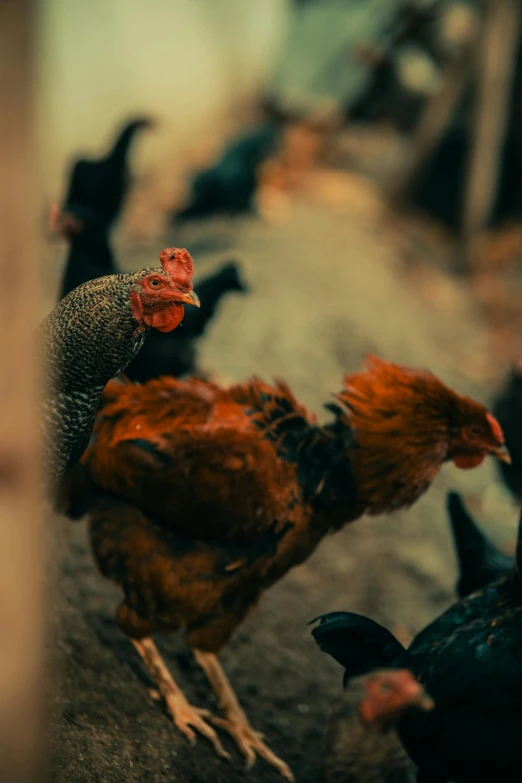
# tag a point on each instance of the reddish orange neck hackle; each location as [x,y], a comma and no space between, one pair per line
[406,423]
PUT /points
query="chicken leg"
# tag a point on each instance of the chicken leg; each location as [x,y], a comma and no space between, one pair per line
[235,722]
[185,716]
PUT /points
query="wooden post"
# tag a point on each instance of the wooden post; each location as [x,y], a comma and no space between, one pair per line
[433,124]
[496,59]
[438,114]
[21,528]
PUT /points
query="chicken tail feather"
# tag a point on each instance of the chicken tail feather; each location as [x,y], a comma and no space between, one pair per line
[359,644]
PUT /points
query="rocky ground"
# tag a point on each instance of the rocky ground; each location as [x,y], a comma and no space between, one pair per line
[327,286]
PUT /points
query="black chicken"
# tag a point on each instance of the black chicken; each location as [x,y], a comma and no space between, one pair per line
[103,184]
[90,255]
[469,661]
[94,200]
[228,187]
[480,562]
[175,353]
[508,409]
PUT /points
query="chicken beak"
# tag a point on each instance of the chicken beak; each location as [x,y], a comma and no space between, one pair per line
[426,703]
[189,298]
[502,454]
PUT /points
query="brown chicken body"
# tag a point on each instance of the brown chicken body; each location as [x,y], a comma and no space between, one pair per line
[200,498]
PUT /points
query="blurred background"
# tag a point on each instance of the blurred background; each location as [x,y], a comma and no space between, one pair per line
[360,163]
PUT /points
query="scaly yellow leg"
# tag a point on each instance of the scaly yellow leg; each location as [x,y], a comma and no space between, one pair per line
[185,716]
[235,722]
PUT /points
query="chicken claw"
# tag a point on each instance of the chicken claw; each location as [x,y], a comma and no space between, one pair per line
[235,722]
[185,716]
[251,744]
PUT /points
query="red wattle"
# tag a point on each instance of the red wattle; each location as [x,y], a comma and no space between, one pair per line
[165,320]
[468,461]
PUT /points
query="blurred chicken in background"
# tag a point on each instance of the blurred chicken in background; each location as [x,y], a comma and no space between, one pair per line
[362,741]
[94,201]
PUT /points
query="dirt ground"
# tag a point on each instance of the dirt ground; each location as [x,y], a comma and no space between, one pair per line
[326,288]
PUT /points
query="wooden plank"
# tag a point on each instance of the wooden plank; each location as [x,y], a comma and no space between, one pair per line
[21,526]
[435,120]
[496,60]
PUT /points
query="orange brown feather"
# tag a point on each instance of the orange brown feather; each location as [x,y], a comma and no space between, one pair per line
[406,423]
[202,497]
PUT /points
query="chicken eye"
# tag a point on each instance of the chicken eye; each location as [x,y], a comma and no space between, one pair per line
[474,432]
[384,689]
[154,282]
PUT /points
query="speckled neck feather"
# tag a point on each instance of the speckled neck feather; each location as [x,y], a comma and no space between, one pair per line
[88,339]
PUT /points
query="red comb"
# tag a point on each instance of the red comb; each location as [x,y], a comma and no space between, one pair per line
[496,429]
[179,265]
[54,215]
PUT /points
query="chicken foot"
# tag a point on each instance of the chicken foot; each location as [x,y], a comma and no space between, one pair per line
[185,716]
[235,722]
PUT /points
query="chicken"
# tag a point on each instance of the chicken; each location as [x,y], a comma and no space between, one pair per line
[200,498]
[508,409]
[480,562]
[228,187]
[92,335]
[176,353]
[103,184]
[94,200]
[90,253]
[468,660]
[362,743]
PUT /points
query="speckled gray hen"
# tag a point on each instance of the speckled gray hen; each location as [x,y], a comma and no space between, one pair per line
[91,336]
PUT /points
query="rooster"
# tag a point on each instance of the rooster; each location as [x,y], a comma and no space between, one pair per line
[468,659]
[362,743]
[200,498]
[92,335]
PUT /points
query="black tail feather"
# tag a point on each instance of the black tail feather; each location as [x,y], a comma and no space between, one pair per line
[124,138]
[359,644]
[101,185]
[480,562]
